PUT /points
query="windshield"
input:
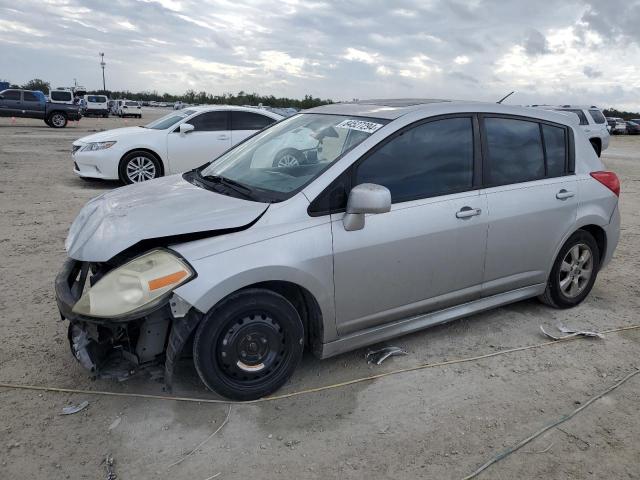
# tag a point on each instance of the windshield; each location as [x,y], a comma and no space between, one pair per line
[169,120]
[288,155]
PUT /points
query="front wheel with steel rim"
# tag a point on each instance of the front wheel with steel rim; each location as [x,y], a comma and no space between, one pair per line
[574,271]
[139,166]
[249,345]
[57,120]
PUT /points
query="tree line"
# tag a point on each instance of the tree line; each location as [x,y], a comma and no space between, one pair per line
[191,96]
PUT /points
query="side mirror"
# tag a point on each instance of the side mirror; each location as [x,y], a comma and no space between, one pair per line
[365,198]
[186,128]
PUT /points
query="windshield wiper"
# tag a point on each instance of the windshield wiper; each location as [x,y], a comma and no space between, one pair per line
[232,184]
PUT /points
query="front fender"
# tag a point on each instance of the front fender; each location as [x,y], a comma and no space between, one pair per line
[303,258]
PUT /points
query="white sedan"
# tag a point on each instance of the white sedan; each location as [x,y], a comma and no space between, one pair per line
[175,143]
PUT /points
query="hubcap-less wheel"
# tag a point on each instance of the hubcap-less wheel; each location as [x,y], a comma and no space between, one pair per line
[140,169]
[251,348]
[576,270]
[287,160]
[57,119]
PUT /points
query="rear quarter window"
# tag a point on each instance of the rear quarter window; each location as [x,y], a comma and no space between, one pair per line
[580,114]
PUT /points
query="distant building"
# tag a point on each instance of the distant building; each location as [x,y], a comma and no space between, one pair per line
[4,85]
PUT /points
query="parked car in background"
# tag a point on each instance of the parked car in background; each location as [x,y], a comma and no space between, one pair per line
[129,108]
[414,213]
[175,143]
[97,105]
[636,120]
[32,104]
[592,122]
[178,105]
[618,125]
[633,128]
[61,96]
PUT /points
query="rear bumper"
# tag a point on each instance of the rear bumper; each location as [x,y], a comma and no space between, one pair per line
[613,236]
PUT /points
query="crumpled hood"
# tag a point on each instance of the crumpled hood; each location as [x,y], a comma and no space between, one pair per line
[115,134]
[164,207]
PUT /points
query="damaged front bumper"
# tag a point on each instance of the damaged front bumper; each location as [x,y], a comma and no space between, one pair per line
[119,347]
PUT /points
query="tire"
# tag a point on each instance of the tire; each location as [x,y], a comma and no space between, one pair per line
[139,166]
[57,120]
[569,283]
[249,345]
[289,157]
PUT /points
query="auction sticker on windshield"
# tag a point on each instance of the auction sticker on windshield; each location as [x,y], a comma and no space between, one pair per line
[360,125]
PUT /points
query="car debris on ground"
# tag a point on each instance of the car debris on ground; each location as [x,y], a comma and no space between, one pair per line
[379,356]
[570,333]
[71,409]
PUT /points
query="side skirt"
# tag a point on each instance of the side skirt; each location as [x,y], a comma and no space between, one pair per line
[413,324]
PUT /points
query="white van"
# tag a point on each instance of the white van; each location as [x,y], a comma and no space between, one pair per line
[97,105]
[61,96]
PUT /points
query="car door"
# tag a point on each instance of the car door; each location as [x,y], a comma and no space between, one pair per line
[427,253]
[245,124]
[32,104]
[208,140]
[531,197]
[11,104]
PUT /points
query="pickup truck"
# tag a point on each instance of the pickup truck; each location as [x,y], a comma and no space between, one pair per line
[32,104]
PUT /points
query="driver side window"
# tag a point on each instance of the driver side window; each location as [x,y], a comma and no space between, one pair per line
[210,122]
[431,159]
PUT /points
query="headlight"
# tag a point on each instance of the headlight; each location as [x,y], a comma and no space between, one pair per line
[139,284]
[90,147]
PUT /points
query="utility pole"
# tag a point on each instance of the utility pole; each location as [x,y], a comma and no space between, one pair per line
[102,64]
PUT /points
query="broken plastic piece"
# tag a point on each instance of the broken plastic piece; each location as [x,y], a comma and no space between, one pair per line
[571,333]
[108,462]
[71,409]
[379,356]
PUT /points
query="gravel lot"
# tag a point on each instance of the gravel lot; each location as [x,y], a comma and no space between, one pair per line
[437,423]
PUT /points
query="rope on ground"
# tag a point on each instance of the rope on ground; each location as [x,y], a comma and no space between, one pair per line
[203,442]
[562,419]
[309,390]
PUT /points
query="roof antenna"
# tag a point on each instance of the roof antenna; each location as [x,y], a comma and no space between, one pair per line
[505,97]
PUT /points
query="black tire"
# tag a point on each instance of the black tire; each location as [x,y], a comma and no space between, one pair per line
[57,120]
[249,345]
[130,157]
[291,156]
[555,294]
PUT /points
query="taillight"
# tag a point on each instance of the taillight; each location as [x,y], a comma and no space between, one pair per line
[609,180]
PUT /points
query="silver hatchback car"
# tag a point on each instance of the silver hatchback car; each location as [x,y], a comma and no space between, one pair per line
[387,217]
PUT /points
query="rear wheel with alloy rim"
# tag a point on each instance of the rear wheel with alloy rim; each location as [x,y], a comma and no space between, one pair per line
[249,345]
[57,120]
[288,157]
[574,271]
[139,166]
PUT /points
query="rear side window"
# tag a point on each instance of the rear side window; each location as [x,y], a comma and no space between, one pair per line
[581,116]
[30,97]
[210,122]
[597,116]
[61,96]
[434,158]
[249,121]
[555,142]
[11,95]
[514,150]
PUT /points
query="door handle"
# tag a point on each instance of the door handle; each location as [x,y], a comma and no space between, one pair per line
[564,194]
[467,212]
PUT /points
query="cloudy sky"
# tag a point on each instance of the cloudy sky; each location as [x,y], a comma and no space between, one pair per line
[578,51]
